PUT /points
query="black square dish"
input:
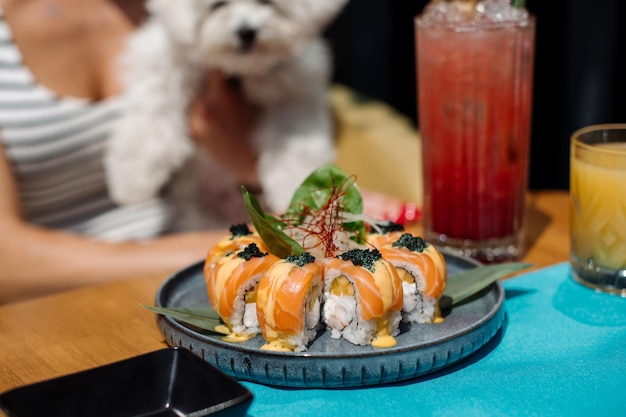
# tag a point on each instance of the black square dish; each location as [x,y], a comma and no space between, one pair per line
[167,382]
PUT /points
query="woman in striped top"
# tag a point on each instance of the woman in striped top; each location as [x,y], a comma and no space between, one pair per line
[59,95]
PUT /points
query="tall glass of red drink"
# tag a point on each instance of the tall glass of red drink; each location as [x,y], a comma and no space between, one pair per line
[474,73]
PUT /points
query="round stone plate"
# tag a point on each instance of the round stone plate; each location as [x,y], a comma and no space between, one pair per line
[331,363]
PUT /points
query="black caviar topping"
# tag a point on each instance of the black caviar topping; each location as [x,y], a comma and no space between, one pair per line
[362,257]
[384,228]
[301,260]
[238,230]
[412,243]
[250,251]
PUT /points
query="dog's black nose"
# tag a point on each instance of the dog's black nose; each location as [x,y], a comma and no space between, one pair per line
[247,36]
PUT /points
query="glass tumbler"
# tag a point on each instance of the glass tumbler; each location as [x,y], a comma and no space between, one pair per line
[598,207]
[474,97]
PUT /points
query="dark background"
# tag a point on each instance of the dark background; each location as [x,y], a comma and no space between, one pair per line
[579,68]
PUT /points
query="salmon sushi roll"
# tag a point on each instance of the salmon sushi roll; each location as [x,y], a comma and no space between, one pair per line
[240,237]
[362,298]
[381,234]
[423,271]
[232,285]
[288,303]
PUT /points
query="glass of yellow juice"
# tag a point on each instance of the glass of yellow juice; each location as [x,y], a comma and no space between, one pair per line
[598,207]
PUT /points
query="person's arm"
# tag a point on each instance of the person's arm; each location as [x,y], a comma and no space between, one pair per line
[36,261]
[222,122]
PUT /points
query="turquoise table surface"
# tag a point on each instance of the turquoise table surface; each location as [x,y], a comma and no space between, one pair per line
[560,352]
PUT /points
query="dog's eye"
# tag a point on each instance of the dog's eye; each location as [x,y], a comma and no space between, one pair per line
[218,4]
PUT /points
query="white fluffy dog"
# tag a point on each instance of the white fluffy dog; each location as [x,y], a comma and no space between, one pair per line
[273,47]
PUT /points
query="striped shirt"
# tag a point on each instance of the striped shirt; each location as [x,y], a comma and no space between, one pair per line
[55,146]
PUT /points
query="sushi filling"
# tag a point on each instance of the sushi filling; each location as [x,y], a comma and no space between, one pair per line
[410,297]
[339,312]
[244,322]
[341,317]
[250,319]
[313,312]
[311,322]
[426,310]
[416,307]
[299,342]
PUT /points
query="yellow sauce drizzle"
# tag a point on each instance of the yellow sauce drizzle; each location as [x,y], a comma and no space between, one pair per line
[230,336]
[385,341]
[237,338]
[223,329]
[384,282]
[437,319]
[278,346]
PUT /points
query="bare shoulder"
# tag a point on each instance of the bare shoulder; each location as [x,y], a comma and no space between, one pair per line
[63,17]
[81,37]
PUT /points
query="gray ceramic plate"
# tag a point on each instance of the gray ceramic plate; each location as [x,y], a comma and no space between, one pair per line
[331,363]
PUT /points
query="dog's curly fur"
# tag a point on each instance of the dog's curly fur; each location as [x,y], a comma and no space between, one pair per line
[273,47]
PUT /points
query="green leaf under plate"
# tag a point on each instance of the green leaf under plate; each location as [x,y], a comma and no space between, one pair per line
[203,318]
[464,285]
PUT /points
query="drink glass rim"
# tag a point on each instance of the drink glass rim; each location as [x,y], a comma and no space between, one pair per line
[460,26]
[577,138]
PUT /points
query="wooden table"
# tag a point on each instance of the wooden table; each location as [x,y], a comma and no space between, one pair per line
[85,328]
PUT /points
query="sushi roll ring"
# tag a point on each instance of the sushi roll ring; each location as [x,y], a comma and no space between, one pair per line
[231,286]
[288,301]
[423,271]
[362,298]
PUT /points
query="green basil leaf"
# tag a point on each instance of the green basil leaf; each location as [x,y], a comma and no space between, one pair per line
[464,285]
[275,239]
[318,186]
[317,189]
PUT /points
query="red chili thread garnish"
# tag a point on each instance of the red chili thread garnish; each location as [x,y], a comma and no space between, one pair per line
[319,226]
